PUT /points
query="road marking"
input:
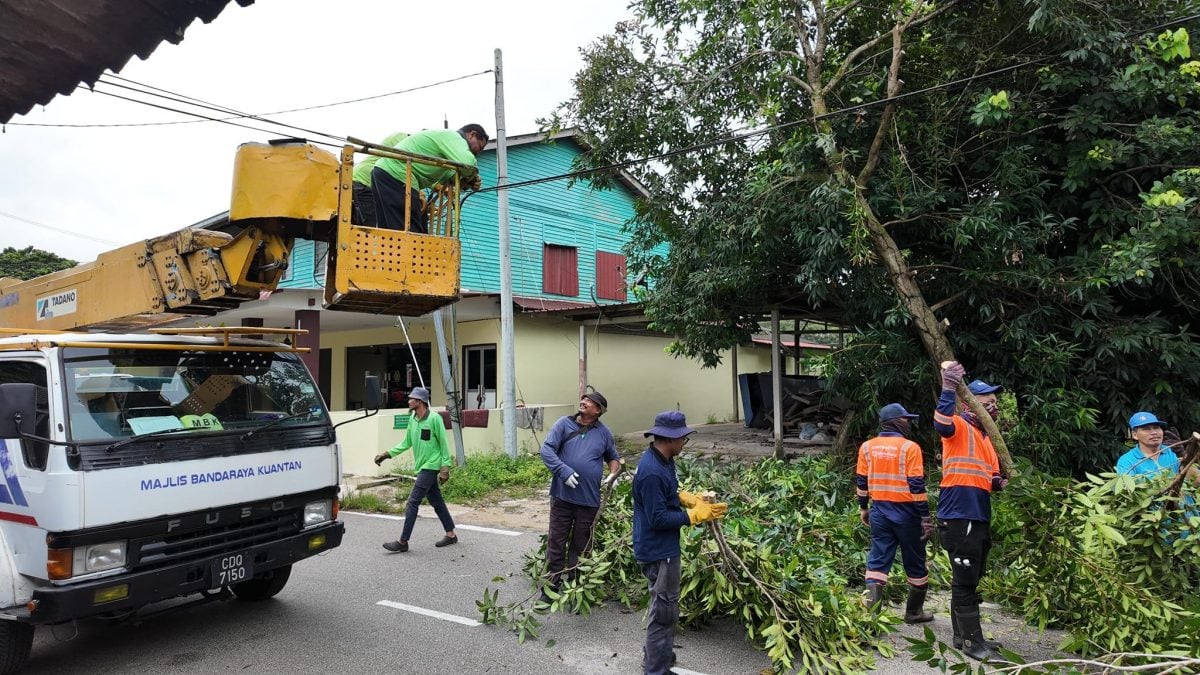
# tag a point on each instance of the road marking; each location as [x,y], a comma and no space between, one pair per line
[684,671]
[429,612]
[472,528]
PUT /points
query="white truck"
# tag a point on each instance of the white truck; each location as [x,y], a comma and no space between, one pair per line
[139,468]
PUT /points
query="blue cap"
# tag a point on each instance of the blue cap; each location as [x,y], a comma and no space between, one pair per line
[1141,419]
[420,393]
[670,424]
[980,387]
[893,411]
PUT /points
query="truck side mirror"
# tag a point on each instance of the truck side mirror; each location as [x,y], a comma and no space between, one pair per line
[372,400]
[18,409]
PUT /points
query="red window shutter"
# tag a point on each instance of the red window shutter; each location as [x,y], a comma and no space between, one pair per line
[560,270]
[610,276]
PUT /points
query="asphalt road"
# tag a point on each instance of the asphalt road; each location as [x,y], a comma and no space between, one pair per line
[329,619]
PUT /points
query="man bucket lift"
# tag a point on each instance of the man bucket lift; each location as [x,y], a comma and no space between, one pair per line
[282,190]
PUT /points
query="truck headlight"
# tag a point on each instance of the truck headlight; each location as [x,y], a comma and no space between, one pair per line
[316,513]
[99,557]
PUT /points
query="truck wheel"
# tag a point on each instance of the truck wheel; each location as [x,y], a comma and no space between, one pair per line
[264,588]
[16,639]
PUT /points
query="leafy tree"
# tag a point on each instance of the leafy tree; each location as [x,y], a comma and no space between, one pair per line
[30,262]
[1044,208]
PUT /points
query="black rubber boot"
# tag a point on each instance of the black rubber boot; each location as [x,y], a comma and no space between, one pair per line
[974,645]
[914,610]
[958,640]
[873,598]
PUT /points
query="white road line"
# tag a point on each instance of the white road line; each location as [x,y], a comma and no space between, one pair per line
[472,528]
[684,671]
[429,612]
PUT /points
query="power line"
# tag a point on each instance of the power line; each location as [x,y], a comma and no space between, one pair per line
[234,117]
[734,138]
[58,229]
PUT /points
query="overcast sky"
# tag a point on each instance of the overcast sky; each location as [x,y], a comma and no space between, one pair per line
[113,186]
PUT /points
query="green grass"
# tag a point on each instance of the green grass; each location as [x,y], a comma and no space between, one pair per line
[485,478]
[364,501]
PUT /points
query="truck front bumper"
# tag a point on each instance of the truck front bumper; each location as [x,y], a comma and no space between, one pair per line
[56,604]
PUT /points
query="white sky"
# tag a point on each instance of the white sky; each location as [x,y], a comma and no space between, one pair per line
[120,185]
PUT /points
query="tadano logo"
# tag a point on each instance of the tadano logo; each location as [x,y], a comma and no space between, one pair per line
[58,304]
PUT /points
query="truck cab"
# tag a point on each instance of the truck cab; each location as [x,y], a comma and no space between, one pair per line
[138,468]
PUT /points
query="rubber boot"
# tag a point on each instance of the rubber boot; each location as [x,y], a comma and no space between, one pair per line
[958,640]
[914,611]
[974,645]
[873,598]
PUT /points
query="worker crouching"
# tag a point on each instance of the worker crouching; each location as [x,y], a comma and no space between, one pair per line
[893,502]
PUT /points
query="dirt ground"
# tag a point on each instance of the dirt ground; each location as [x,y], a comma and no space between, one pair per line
[733,439]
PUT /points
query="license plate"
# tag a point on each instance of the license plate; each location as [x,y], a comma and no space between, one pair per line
[232,569]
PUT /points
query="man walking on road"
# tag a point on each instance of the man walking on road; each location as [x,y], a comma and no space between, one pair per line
[575,452]
[970,472]
[426,436]
[660,510]
[891,473]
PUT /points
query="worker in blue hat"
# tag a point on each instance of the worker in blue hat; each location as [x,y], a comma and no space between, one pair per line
[891,479]
[1149,457]
[660,511]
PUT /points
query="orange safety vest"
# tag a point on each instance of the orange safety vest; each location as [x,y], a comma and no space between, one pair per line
[888,462]
[968,457]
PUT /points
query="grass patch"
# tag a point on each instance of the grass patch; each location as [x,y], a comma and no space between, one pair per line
[365,501]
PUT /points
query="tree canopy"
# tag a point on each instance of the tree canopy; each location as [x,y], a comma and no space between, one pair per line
[30,263]
[1018,179]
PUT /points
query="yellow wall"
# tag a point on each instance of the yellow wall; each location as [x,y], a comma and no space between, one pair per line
[633,371]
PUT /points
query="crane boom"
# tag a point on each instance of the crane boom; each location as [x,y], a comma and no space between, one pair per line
[282,191]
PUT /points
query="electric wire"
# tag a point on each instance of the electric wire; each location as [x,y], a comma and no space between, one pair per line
[242,116]
[60,230]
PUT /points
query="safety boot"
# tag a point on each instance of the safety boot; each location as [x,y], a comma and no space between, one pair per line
[973,644]
[958,640]
[914,610]
[873,598]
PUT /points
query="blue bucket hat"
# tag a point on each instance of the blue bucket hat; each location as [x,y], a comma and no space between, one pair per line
[670,424]
[420,393]
[893,411]
[980,387]
[1141,419]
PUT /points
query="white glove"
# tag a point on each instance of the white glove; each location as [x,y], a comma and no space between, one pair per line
[572,481]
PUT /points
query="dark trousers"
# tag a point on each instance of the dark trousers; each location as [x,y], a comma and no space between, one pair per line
[425,487]
[392,199]
[364,206]
[569,537]
[888,534]
[968,543]
[662,615]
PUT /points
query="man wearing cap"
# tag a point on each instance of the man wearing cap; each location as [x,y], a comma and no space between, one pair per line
[575,452]
[1149,456]
[660,510]
[970,472]
[891,473]
[426,436]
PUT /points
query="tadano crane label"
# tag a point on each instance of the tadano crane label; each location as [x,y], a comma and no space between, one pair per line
[59,304]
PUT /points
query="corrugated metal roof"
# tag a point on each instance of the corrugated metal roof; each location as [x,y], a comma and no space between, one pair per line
[48,47]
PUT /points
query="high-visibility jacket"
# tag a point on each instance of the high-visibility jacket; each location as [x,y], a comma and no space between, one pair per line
[968,457]
[889,464]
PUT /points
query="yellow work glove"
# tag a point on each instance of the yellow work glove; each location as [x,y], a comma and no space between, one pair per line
[687,499]
[704,512]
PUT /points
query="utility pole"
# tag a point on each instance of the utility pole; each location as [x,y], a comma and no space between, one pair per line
[508,361]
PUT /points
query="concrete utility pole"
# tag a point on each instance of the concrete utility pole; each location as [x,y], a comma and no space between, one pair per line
[508,361]
[777,383]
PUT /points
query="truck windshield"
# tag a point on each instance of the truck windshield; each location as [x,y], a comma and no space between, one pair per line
[118,393]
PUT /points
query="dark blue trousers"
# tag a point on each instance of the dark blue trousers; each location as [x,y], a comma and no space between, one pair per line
[890,531]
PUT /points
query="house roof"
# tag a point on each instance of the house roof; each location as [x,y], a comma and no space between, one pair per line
[49,47]
[576,135]
[789,343]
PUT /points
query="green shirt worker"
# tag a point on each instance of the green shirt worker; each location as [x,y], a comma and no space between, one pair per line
[426,437]
[364,192]
[394,196]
